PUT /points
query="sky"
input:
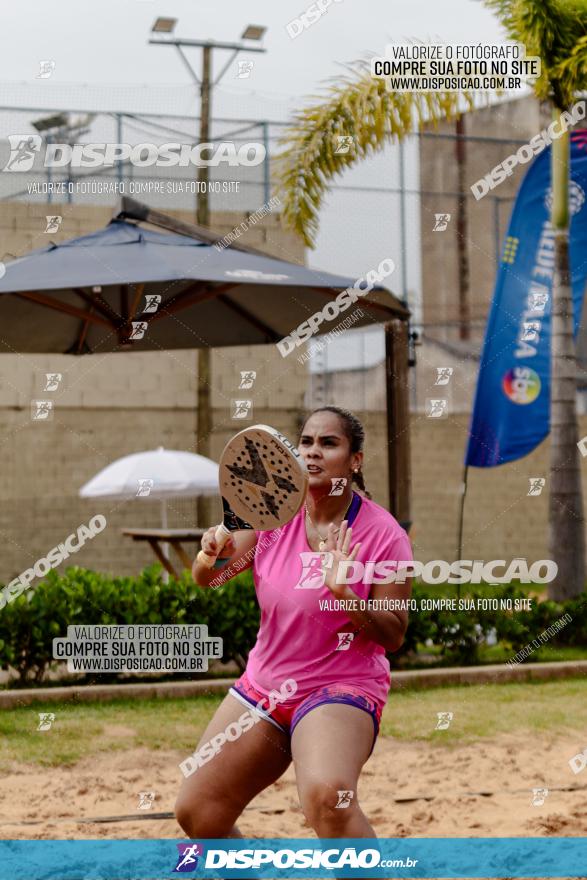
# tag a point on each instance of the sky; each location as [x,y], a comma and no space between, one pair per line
[103,61]
[106,42]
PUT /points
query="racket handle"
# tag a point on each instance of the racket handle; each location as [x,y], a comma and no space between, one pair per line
[222,535]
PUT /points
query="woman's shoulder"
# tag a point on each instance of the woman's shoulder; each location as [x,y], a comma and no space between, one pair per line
[381,519]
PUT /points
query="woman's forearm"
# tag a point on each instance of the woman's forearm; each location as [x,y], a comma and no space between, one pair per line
[203,576]
[387,628]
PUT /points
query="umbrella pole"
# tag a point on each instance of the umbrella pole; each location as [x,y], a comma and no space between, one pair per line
[164,546]
[462,519]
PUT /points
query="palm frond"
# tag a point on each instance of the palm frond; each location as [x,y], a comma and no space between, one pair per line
[574,68]
[504,10]
[552,30]
[362,109]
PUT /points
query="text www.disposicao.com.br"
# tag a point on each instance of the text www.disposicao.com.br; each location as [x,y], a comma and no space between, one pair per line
[135,664]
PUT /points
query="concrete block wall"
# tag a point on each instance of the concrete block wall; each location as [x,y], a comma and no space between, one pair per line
[501,520]
[111,405]
[44,464]
[518,119]
[365,389]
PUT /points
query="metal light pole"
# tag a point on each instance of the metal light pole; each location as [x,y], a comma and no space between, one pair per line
[252,32]
[462,232]
[60,129]
[203,214]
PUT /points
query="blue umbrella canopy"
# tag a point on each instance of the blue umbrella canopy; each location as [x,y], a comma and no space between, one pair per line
[83,295]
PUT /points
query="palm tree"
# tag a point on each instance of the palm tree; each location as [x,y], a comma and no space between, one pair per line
[363,107]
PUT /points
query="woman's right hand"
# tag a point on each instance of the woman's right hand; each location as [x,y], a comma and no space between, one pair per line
[210,544]
[235,556]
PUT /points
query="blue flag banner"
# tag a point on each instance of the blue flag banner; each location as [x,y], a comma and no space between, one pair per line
[511,414]
[538,857]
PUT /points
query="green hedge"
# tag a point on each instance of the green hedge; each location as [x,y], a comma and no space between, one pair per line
[461,634]
[29,624]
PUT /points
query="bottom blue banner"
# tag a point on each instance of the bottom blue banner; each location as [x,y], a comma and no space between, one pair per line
[491,857]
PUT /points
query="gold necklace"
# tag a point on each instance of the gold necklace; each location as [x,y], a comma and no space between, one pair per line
[322,544]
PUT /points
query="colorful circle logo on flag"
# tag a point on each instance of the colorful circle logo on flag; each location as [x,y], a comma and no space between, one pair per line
[576,198]
[521,384]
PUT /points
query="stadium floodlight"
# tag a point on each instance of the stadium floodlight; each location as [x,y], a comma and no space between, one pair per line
[164,25]
[60,120]
[253,32]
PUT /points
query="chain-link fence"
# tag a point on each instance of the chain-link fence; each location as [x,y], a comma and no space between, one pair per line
[35,169]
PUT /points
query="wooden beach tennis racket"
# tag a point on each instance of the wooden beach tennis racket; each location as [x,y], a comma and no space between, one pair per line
[263,483]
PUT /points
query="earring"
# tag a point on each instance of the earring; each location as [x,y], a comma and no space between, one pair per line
[355,470]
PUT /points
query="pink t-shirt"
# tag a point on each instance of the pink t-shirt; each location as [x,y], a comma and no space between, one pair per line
[299,640]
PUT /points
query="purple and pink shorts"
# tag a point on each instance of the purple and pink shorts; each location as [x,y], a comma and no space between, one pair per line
[286,717]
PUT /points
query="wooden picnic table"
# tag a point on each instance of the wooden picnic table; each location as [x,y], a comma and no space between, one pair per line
[174,537]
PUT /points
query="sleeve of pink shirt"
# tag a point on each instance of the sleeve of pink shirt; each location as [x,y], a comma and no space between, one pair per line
[393,545]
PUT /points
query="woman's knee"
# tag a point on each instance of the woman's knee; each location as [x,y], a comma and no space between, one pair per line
[204,817]
[329,802]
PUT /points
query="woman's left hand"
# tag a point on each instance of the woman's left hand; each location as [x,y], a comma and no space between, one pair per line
[337,550]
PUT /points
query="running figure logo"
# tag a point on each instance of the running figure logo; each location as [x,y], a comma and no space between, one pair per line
[144,489]
[443,375]
[344,800]
[578,762]
[53,222]
[345,143]
[530,331]
[444,719]
[537,484]
[41,410]
[52,381]
[188,857]
[146,799]
[242,409]
[539,795]
[436,408]
[247,379]
[537,302]
[441,222]
[139,329]
[344,641]
[338,485]
[46,68]
[313,574]
[244,69]
[46,719]
[23,149]
[153,301]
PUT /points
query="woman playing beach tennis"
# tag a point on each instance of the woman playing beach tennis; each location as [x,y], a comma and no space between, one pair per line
[317,678]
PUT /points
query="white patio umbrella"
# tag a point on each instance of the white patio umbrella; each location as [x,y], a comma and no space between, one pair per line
[157,474]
